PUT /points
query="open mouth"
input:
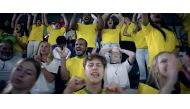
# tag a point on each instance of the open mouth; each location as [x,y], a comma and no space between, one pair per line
[95,75]
[86,18]
[78,49]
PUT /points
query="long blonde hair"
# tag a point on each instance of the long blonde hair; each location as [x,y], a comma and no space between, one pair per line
[50,55]
[154,71]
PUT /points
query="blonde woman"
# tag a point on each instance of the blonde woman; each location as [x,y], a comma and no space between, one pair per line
[163,75]
[45,82]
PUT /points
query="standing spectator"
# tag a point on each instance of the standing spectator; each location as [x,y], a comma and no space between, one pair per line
[111,31]
[158,36]
[21,34]
[141,46]
[7,61]
[88,30]
[55,30]
[36,36]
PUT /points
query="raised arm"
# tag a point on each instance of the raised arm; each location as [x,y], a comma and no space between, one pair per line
[64,74]
[74,24]
[45,19]
[121,19]
[34,20]
[100,23]
[13,21]
[95,19]
[65,20]
[42,18]
[103,51]
[28,22]
[131,55]
[104,17]
[18,18]
[134,17]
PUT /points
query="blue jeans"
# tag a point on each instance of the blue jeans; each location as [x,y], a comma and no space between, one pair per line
[142,57]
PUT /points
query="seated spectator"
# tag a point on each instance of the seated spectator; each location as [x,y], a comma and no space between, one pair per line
[7,61]
[68,67]
[116,71]
[61,44]
[94,68]
[49,68]
[23,77]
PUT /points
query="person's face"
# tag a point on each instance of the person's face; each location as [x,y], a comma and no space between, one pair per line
[38,23]
[44,48]
[94,71]
[6,51]
[87,18]
[56,25]
[115,56]
[18,27]
[110,23]
[80,47]
[156,17]
[163,61]
[23,76]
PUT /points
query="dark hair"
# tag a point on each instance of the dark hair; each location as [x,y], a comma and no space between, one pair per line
[83,40]
[163,25]
[95,56]
[61,40]
[23,30]
[115,21]
[36,64]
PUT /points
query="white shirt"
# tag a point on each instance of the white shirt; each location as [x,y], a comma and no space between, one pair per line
[57,57]
[118,73]
[42,85]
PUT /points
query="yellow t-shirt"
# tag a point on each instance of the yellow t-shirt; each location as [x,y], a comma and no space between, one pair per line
[111,35]
[139,39]
[54,33]
[184,89]
[156,43]
[87,32]
[146,89]
[83,91]
[75,67]
[36,33]
[17,47]
[130,30]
